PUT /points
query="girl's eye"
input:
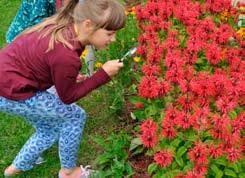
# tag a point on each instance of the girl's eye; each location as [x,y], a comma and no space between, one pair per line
[110,33]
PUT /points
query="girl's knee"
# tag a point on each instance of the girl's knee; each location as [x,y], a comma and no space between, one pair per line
[76,116]
[79,115]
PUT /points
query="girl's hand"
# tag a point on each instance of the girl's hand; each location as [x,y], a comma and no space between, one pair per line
[80,78]
[112,67]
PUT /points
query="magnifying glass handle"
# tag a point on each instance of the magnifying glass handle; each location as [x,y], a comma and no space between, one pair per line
[121,60]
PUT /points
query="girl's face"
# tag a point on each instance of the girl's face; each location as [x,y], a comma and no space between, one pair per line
[101,38]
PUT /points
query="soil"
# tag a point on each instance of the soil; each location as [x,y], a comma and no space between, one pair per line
[140,164]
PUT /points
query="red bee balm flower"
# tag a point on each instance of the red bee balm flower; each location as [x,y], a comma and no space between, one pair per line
[216,151]
[234,154]
[163,158]
[139,105]
[149,140]
[149,135]
[199,154]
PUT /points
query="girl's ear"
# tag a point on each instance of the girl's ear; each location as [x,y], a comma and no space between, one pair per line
[88,26]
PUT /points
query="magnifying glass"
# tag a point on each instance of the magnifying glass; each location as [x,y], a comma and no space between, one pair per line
[128,54]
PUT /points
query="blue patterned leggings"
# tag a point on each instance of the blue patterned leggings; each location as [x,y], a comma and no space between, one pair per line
[53,121]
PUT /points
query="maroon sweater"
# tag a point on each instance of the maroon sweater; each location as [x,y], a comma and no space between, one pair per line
[26,68]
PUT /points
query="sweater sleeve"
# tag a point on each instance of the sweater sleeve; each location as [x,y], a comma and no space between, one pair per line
[64,69]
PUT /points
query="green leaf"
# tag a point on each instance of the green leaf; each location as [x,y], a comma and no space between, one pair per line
[188,167]
[229,172]
[217,171]
[129,170]
[221,161]
[214,168]
[176,172]
[102,159]
[179,161]
[175,142]
[150,111]
[181,151]
[219,174]
[100,141]
[140,115]
[241,175]
[118,164]
[232,114]
[188,144]
[160,174]
[169,175]
[152,168]
[133,88]
[135,143]
[235,166]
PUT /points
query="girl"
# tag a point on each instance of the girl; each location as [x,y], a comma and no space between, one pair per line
[48,54]
[30,13]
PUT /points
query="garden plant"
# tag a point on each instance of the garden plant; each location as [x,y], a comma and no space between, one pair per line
[191,93]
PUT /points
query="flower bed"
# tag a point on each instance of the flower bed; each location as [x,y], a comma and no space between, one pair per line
[192,89]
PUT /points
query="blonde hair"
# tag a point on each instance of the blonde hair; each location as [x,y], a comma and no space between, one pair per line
[107,14]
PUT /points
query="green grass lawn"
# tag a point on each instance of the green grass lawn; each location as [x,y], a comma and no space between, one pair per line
[8,9]
[14,131]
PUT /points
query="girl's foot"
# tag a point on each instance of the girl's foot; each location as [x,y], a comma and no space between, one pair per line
[11,171]
[77,172]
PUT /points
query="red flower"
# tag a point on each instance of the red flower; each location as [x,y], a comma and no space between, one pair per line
[221,82]
[173,60]
[170,116]
[216,150]
[202,85]
[213,54]
[200,118]
[194,44]
[151,70]
[220,127]
[174,75]
[200,170]
[199,154]
[163,158]
[171,41]
[168,131]
[225,104]
[149,135]
[187,12]
[186,102]
[189,58]
[223,34]
[149,87]
[233,154]
[148,125]
[149,140]
[217,6]
[179,176]
[238,123]
[192,174]
[164,88]
[184,120]
[139,105]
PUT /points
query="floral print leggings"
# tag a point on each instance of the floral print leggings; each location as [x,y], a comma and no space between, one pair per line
[53,121]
